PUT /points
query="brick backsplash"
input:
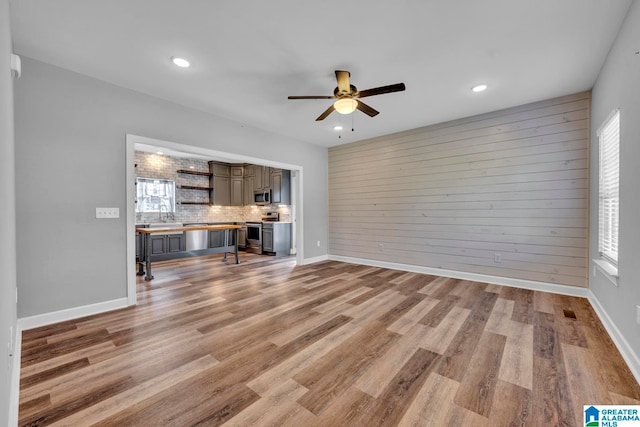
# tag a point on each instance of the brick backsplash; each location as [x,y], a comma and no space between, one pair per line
[150,165]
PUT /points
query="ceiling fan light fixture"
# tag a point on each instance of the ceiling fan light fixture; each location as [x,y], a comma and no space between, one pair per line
[345,105]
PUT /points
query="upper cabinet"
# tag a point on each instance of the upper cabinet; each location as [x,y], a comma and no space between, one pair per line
[234,185]
[220,183]
[248,186]
[237,196]
[280,186]
[262,177]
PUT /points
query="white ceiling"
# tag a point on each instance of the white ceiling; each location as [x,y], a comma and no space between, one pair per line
[248,56]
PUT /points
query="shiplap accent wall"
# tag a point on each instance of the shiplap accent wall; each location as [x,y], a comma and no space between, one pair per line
[453,195]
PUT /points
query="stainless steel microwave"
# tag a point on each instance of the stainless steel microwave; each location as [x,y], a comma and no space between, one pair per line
[262,197]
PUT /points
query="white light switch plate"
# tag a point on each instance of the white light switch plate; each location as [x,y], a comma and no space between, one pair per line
[107,212]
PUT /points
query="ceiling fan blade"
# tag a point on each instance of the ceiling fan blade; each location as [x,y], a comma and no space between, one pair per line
[344,86]
[312,97]
[326,113]
[398,87]
[366,109]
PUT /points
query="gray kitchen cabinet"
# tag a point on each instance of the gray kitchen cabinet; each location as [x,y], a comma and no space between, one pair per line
[280,186]
[248,186]
[219,169]
[158,244]
[263,179]
[220,183]
[162,244]
[267,239]
[257,182]
[276,238]
[249,170]
[236,171]
[176,243]
[237,185]
[237,196]
[266,177]
[221,191]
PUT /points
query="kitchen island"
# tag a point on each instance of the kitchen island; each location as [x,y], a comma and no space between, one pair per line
[227,247]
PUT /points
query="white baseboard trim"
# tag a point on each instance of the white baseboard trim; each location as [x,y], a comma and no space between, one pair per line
[307,261]
[31,322]
[14,396]
[498,280]
[618,339]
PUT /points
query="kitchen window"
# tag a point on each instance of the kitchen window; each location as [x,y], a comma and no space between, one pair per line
[155,195]
[609,196]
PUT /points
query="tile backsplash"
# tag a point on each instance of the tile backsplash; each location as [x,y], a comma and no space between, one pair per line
[151,165]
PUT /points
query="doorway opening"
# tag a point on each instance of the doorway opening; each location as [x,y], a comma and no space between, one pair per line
[139,143]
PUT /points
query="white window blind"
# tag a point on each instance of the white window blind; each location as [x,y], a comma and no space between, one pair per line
[609,137]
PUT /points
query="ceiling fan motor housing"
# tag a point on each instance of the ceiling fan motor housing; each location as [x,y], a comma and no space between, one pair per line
[353,91]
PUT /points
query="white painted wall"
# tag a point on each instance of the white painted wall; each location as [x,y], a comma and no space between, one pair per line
[7,213]
[499,194]
[618,85]
[70,159]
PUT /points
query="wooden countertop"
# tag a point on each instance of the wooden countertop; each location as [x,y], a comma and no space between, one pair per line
[199,227]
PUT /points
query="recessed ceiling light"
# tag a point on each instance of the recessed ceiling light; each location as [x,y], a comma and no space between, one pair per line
[337,127]
[180,62]
[479,88]
[159,152]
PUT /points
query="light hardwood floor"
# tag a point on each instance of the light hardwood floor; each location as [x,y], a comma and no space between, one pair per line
[330,344]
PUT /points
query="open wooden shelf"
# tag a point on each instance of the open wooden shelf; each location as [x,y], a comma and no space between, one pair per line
[194,187]
[195,203]
[190,172]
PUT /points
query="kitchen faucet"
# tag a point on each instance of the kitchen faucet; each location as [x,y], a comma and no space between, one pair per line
[160,212]
[169,214]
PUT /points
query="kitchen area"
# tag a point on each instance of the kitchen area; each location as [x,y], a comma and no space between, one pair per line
[188,205]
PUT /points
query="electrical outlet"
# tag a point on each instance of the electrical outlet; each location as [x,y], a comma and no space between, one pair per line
[497,258]
[107,213]
[318,243]
[381,247]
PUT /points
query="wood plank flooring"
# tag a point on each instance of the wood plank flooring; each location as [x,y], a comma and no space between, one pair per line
[269,343]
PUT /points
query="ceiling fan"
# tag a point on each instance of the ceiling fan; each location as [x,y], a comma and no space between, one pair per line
[348,96]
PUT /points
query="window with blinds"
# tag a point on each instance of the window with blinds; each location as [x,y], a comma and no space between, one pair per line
[609,138]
